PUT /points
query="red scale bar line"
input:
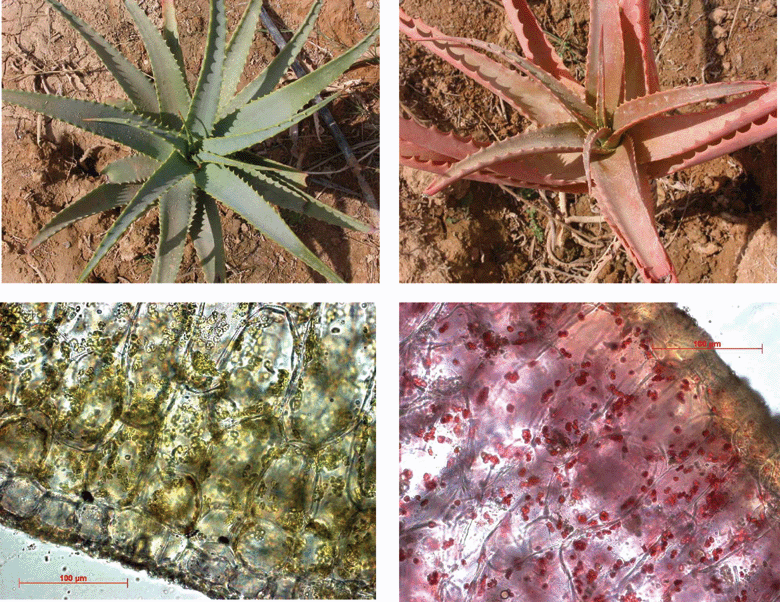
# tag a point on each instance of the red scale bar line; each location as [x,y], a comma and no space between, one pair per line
[711,348]
[125,583]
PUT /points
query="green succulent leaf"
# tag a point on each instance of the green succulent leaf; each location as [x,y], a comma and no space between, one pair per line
[173,138]
[135,168]
[275,108]
[103,198]
[227,187]
[281,194]
[125,105]
[291,177]
[288,173]
[167,175]
[225,145]
[206,234]
[205,156]
[171,35]
[169,81]
[134,82]
[97,118]
[237,53]
[205,102]
[268,79]
[175,214]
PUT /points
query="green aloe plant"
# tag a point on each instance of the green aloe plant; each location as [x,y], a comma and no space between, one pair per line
[190,149]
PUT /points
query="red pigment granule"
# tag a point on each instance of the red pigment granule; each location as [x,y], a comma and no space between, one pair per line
[621,472]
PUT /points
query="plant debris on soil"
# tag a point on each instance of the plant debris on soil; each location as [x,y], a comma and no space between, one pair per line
[48,164]
[717,220]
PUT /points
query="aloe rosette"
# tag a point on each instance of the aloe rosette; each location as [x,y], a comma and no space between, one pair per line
[190,149]
[609,137]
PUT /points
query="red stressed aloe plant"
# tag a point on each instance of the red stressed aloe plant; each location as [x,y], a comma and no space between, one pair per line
[609,137]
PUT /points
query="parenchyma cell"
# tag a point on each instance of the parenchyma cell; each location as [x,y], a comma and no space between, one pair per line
[228,447]
[555,453]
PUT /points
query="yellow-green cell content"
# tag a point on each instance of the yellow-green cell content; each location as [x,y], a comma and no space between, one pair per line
[229,447]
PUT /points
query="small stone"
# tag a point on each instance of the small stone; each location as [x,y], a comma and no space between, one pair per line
[67,244]
[707,249]
[768,8]
[718,15]
[719,32]
[720,50]
[369,4]
[126,251]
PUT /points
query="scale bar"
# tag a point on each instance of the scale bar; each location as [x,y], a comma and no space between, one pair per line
[126,583]
[761,349]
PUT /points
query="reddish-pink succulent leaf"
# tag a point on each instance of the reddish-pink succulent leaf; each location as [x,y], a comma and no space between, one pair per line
[590,139]
[623,195]
[635,111]
[587,149]
[614,62]
[561,138]
[668,139]
[428,149]
[494,178]
[535,45]
[525,95]
[410,149]
[550,171]
[432,139]
[567,169]
[551,187]
[648,199]
[750,134]
[601,93]
[558,172]
[577,108]
[604,67]
[635,21]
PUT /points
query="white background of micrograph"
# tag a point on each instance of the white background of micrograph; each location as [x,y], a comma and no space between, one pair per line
[746,325]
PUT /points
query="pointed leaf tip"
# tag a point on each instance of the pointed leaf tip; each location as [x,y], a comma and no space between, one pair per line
[280,105]
[205,101]
[171,88]
[267,80]
[134,82]
[145,136]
